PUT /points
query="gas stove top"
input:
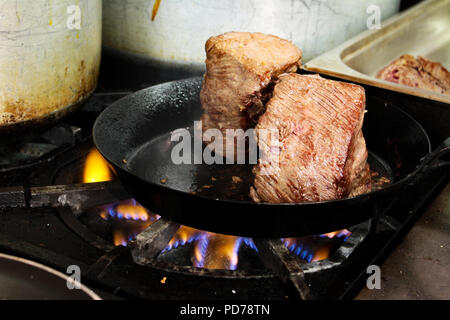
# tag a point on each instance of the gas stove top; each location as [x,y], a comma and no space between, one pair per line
[60,205]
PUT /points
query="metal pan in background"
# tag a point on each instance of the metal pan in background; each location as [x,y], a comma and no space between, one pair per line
[172,51]
[43,122]
[134,134]
[22,279]
[49,61]
[421,30]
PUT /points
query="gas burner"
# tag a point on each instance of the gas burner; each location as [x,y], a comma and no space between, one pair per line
[24,157]
[28,148]
[166,246]
[121,222]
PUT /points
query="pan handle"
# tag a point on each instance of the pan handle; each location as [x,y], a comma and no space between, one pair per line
[432,161]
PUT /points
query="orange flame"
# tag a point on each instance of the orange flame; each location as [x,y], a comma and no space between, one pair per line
[343,232]
[321,254]
[310,250]
[120,239]
[96,168]
[183,235]
[216,251]
[134,218]
[132,211]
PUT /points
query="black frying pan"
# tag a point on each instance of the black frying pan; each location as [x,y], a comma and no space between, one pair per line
[133,134]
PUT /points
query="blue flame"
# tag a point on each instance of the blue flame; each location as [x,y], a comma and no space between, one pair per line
[237,246]
[203,246]
[249,243]
[179,243]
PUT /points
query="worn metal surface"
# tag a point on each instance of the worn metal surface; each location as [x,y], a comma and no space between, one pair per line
[418,267]
[75,196]
[178,32]
[421,30]
[71,221]
[99,268]
[47,62]
[78,196]
[12,197]
[277,258]
[152,241]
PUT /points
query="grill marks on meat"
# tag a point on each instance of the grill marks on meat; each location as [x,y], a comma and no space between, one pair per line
[322,152]
[420,73]
[241,68]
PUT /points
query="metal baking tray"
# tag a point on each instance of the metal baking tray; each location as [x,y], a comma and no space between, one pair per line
[421,30]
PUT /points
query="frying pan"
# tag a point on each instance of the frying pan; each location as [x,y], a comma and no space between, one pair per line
[133,135]
[22,279]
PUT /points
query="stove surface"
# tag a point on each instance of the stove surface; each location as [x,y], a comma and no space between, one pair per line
[34,224]
[418,267]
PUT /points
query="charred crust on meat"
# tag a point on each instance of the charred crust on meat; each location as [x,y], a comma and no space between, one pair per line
[240,70]
[327,158]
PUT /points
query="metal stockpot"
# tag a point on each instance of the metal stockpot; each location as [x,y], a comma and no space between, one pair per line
[172,36]
[50,53]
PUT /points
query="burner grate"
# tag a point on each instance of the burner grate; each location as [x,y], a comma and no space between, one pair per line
[32,147]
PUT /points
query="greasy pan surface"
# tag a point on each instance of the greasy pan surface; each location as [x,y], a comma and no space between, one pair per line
[134,134]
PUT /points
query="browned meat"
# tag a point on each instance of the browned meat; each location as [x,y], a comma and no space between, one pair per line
[322,152]
[419,73]
[240,68]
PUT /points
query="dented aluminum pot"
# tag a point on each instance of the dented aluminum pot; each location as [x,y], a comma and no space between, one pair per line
[50,53]
[171,34]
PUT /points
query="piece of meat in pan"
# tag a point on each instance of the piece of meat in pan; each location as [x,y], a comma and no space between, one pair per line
[417,72]
[321,152]
[241,68]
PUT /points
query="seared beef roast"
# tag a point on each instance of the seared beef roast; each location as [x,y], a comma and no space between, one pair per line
[321,152]
[240,68]
[419,73]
